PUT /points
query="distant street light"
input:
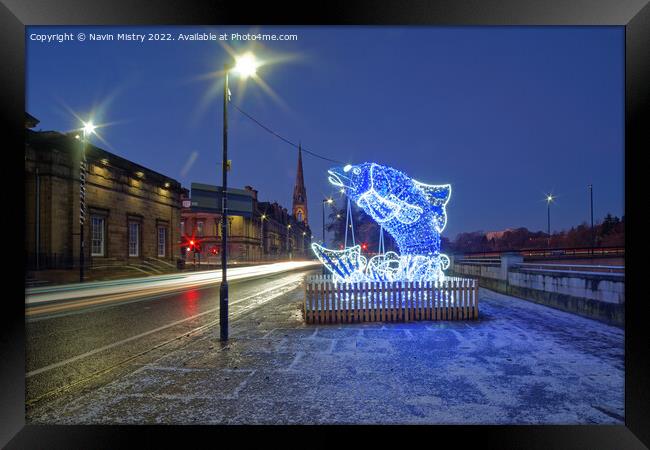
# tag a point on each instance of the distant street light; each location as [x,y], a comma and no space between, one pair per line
[329,201]
[591,211]
[289,239]
[262,231]
[88,129]
[245,66]
[549,200]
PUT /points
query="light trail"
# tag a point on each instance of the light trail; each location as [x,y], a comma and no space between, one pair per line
[265,296]
[79,294]
[278,291]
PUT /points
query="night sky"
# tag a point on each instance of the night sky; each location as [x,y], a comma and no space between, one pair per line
[505,115]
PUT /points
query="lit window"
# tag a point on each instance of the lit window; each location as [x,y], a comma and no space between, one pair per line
[97,236]
[199,228]
[162,241]
[134,239]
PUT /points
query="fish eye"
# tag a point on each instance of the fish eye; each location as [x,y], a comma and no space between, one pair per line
[356,171]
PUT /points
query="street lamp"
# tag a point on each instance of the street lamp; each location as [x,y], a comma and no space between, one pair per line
[87,129]
[262,218]
[289,240]
[591,211]
[245,66]
[549,199]
[329,201]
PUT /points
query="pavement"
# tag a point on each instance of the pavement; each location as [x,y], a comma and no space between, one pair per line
[520,363]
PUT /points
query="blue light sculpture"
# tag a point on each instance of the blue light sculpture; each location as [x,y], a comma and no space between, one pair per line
[412,212]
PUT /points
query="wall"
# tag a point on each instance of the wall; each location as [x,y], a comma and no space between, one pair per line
[597,296]
[115,189]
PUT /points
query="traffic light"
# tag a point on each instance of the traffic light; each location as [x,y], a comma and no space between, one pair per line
[364,246]
[191,243]
[214,250]
[194,245]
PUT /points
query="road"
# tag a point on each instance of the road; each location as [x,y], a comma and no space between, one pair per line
[95,338]
[519,363]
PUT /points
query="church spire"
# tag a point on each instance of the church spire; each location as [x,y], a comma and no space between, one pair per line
[299,192]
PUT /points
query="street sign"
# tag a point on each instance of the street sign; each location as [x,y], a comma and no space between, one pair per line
[208,198]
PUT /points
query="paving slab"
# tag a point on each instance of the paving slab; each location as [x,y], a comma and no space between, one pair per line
[520,363]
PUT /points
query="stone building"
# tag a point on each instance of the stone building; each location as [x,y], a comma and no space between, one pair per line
[269,233]
[266,231]
[283,234]
[132,213]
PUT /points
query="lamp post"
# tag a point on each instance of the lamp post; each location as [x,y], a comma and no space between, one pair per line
[549,199]
[289,240]
[329,201]
[88,128]
[591,212]
[246,66]
[262,217]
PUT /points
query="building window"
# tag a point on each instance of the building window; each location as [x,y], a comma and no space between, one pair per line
[182,227]
[299,216]
[134,239]
[199,228]
[97,236]
[162,241]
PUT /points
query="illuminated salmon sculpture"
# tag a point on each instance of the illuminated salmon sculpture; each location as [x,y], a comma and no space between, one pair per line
[412,212]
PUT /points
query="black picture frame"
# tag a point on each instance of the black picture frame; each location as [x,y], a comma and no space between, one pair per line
[634,15]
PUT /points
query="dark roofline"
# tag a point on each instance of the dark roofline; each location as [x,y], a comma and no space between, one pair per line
[67,141]
[31,121]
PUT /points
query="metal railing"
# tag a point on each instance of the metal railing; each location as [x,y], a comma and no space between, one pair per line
[574,252]
[479,261]
[575,268]
[552,252]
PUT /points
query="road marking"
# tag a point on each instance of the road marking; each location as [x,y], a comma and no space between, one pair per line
[155,330]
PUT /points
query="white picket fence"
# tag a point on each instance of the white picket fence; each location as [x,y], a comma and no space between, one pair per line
[329,302]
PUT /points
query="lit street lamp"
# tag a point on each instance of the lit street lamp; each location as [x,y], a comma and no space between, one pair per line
[329,201]
[88,128]
[591,212]
[245,66]
[289,240]
[262,231]
[549,199]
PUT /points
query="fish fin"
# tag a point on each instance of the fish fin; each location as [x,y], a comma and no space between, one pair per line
[341,263]
[438,195]
[380,208]
[383,267]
